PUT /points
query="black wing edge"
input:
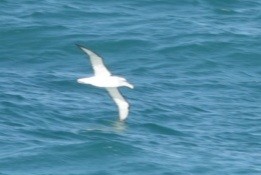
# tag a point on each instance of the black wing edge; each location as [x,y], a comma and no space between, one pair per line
[81,47]
[123,97]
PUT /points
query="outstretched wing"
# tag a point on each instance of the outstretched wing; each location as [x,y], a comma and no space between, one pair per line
[97,62]
[122,104]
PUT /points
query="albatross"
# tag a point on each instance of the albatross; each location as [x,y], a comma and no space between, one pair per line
[104,79]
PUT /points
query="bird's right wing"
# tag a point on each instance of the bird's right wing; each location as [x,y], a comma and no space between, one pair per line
[97,62]
[120,101]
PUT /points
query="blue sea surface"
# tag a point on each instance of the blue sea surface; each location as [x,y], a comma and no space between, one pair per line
[195,108]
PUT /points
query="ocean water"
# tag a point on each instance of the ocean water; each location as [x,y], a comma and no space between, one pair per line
[195,109]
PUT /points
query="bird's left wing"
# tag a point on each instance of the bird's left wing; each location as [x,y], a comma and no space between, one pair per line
[122,104]
[97,62]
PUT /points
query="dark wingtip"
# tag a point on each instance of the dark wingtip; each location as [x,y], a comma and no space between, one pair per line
[80,46]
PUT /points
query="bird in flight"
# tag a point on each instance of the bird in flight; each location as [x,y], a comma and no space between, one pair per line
[103,78]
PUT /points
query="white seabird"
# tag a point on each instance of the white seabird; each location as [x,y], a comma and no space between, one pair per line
[103,78]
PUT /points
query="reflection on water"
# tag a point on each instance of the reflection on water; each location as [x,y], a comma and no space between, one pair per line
[119,126]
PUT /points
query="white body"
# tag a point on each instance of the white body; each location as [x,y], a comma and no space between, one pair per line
[103,78]
[106,81]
